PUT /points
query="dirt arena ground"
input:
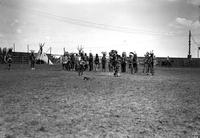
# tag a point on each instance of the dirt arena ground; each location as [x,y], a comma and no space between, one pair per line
[51,103]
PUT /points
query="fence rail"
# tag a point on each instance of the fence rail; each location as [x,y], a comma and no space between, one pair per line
[20,58]
[23,58]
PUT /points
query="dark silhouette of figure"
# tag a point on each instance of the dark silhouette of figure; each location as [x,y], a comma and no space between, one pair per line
[96,62]
[123,62]
[135,64]
[9,58]
[90,62]
[32,59]
[103,62]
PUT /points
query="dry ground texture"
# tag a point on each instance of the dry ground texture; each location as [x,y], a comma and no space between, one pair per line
[51,103]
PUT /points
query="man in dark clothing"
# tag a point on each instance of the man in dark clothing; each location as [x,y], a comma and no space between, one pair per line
[116,64]
[103,62]
[123,62]
[90,62]
[86,61]
[135,66]
[72,57]
[130,65]
[151,63]
[32,59]
[96,62]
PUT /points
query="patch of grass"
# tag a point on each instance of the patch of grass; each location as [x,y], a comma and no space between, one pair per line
[161,105]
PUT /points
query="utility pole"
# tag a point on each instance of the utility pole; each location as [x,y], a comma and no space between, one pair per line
[14,47]
[27,48]
[198,49]
[189,52]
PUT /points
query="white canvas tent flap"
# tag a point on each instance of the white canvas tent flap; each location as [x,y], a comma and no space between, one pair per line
[43,56]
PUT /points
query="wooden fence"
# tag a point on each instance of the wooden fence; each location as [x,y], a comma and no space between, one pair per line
[179,62]
[23,58]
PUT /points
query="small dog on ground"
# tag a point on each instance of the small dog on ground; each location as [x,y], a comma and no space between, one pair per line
[86,78]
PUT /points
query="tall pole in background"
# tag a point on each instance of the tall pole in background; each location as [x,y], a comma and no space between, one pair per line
[189,52]
[14,47]
[27,48]
[198,48]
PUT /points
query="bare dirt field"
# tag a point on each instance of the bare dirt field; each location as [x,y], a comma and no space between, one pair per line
[51,103]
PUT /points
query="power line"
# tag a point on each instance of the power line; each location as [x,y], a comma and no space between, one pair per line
[97,25]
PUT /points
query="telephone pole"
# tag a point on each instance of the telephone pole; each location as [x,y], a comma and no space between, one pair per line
[189,52]
[14,47]
[27,48]
[198,49]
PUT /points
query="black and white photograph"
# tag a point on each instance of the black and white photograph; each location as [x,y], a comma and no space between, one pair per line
[99,68]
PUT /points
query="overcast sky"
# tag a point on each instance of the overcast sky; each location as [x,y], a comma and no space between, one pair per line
[101,25]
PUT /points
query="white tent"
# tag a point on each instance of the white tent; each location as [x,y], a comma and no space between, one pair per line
[43,56]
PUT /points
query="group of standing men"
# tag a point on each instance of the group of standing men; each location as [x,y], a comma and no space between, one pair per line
[81,62]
